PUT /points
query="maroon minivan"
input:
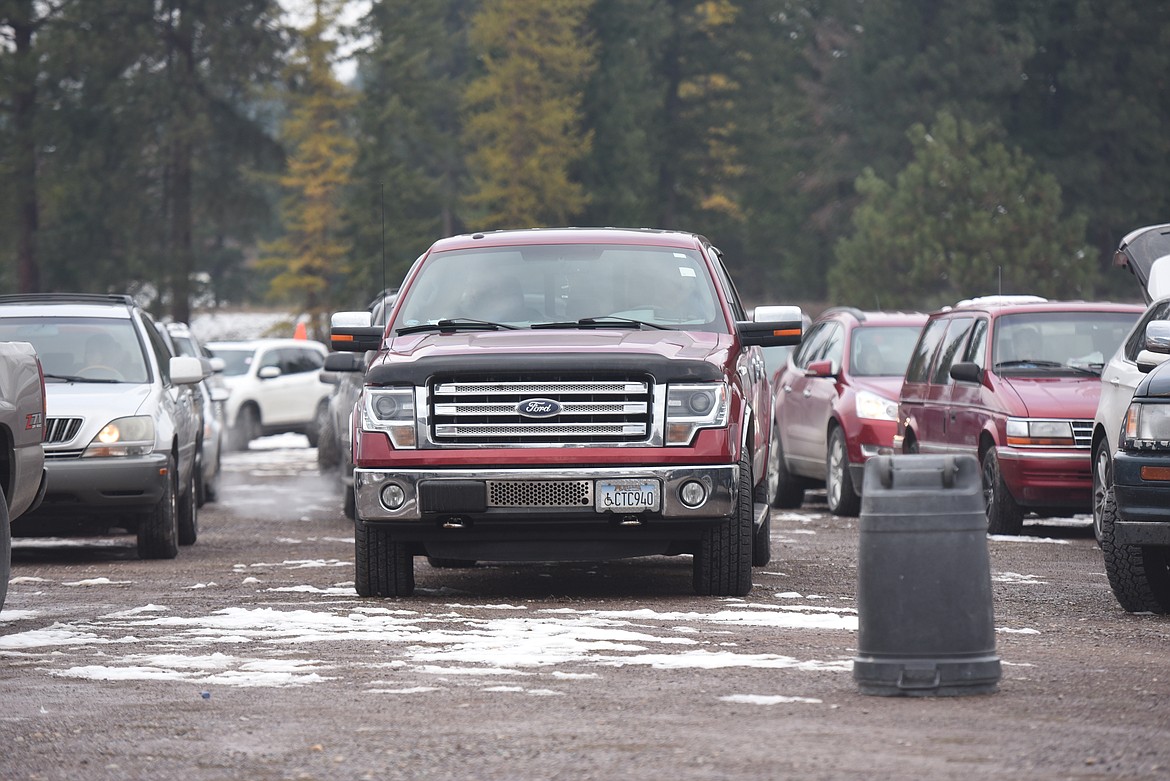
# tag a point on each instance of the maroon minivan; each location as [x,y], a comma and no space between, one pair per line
[1014,380]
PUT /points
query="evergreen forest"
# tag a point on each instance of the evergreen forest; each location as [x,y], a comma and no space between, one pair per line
[893,154]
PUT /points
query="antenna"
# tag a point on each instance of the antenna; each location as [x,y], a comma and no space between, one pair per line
[382,200]
[999,271]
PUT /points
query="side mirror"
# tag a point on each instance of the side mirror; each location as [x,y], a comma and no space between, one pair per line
[773,326]
[268,372]
[965,371]
[344,362]
[218,364]
[354,332]
[186,370]
[1148,360]
[1158,336]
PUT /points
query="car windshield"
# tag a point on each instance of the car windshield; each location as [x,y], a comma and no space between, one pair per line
[1039,342]
[236,360]
[882,350]
[564,284]
[82,349]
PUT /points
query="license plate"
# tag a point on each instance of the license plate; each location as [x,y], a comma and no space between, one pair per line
[626,496]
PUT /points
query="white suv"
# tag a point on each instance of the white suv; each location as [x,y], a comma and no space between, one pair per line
[122,428]
[275,387]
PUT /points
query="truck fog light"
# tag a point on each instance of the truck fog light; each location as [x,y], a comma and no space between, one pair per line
[692,493]
[393,497]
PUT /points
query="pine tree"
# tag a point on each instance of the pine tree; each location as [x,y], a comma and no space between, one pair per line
[523,125]
[968,216]
[311,254]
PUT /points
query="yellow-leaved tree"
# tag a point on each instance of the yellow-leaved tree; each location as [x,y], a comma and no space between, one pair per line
[523,124]
[312,252]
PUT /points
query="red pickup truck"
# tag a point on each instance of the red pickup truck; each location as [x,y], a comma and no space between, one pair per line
[564,394]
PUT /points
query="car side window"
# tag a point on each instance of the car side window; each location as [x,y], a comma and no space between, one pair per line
[977,347]
[728,286]
[814,342]
[298,361]
[1137,338]
[834,345]
[952,346]
[919,367]
[162,353]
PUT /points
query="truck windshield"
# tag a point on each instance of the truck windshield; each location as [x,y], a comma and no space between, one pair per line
[564,284]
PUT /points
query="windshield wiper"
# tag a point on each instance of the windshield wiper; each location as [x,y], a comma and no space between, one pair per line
[75,378]
[605,321]
[1039,364]
[455,324]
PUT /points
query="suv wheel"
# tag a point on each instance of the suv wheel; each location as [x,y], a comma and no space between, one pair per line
[158,530]
[1004,516]
[1102,484]
[317,424]
[188,518]
[1138,575]
[785,489]
[723,563]
[5,548]
[382,567]
[842,496]
[247,427]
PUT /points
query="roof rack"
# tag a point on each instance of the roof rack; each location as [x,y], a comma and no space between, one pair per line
[67,298]
[1002,300]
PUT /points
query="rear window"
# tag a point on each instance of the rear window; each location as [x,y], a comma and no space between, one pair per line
[236,361]
[881,350]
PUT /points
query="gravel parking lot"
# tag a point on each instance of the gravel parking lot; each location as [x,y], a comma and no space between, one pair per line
[250,657]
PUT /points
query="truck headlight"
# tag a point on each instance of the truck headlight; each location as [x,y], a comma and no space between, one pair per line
[692,407]
[1146,427]
[133,436]
[391,410]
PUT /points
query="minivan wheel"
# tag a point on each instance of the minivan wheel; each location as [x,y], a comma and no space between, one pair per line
[842,496]
[1004,516]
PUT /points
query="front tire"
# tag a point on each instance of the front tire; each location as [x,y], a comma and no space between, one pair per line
[1004,516]
[247,427]
[382,567]
[313,431]
[1138,574]
[839,490]
[1102,484]
[158,530]
[328,447]
[723,563]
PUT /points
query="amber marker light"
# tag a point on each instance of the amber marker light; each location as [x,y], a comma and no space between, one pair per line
[1159,473]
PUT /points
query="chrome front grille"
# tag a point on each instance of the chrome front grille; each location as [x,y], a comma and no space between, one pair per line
[58,430]
[1082,433]
[600,411]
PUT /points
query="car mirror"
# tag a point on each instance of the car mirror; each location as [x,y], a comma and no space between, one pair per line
[965,371]
[268,372]
[1148,360]
[344,362]
[354,332]
[1158,336]
[820,369]
[220,394]
[218,364]
[186,370]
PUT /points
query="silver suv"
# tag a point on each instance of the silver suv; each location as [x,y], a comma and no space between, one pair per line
[121,434]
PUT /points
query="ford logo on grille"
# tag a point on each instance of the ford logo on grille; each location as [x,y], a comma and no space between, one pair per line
[538,408]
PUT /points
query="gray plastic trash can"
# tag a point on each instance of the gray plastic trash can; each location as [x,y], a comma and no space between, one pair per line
[925,613]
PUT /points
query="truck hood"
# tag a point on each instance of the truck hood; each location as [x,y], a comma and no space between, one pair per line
[666,355]
[93,400]
[1146,253]
[1065,398]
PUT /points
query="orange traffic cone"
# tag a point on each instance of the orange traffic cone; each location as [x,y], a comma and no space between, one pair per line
[301,332]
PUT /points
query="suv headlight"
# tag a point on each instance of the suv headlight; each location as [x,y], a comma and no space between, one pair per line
[693,407]
[132,436]
[1040,433]
[871,406]
[390,410]
[1146,427]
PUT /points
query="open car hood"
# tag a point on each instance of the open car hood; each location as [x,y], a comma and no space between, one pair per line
[1146,253]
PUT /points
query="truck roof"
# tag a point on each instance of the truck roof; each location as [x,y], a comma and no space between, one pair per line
[529,236]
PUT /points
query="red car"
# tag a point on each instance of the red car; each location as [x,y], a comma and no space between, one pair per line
[1014,381]
[564,394]
[835,403]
